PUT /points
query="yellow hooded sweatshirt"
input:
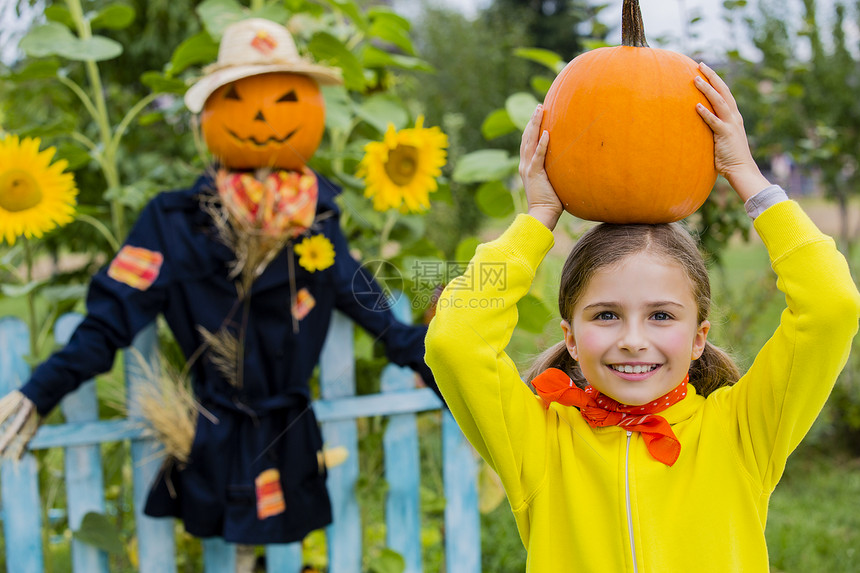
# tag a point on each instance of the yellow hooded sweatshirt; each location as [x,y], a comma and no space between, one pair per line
[593,499]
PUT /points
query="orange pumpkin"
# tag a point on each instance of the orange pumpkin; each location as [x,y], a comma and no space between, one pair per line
[265,120]
[626,143]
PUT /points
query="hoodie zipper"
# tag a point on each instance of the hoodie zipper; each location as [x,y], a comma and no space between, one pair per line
[629,510]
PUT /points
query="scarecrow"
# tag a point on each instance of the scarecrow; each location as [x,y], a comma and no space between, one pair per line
[246,267]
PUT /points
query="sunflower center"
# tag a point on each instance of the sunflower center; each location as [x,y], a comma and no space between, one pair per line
[19,190]
[402,164]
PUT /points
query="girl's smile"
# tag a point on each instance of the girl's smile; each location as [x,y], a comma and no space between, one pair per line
[635,330]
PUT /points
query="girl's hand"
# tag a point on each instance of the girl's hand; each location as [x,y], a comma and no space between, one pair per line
[544,204]
[732,155]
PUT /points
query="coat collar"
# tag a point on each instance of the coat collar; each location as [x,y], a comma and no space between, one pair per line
[277,274]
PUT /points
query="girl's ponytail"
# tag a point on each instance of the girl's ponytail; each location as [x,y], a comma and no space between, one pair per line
[713,369]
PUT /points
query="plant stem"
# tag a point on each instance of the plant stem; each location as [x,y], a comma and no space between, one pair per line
[109,166]
[632,28]
[390,220]
[31,302]
[101,228]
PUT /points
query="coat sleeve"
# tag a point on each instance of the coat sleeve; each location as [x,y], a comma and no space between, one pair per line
[774,404]
[122,298]
[475,319]
[359,296]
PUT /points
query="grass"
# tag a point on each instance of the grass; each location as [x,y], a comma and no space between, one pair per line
[814,524]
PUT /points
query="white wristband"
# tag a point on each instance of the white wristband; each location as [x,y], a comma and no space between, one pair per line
[767,197]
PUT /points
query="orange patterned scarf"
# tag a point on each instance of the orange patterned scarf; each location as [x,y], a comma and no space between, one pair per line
[599,410]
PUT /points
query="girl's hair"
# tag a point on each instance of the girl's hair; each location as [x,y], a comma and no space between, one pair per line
[608,244]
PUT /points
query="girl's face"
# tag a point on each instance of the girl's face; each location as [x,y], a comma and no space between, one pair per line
[634,330]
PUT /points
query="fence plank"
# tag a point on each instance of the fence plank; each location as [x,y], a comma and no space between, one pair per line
[86,433]
[19,481]
[337,379]
[83,464]
[462,519]
[156,545]
[218,556]
[369,405]
[284,557]
[402,464]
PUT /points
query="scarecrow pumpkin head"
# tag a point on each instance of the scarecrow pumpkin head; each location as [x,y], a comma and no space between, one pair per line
[626,143]
[268,120]
[261,102]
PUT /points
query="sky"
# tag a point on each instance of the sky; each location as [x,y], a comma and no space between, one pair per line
[666,19]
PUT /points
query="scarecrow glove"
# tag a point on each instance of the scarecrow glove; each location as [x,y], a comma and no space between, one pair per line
[18,424]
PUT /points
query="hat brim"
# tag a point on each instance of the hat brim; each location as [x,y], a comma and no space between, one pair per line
[197,94]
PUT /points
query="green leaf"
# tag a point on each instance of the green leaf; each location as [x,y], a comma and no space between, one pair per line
[387,14]
[494,199]
[380,110]
[339,108]
[392,32]
[98,531]
[159,83]
[54,39]
[328,49]
[113,17]
[388,561]
[273,12]
[484,165]
[64,293]
[352,11]
[14,291]
[73,153]
[497,124]
[60,14]
[466,250]
[533,314]
[373,57]
[95,49]
[198,49]
[541,84]
[543,57]
[594,44]
[36,70]
[521,107]
[218,14]
[46,40]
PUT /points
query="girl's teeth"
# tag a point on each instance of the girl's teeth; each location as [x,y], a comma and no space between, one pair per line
[638,369]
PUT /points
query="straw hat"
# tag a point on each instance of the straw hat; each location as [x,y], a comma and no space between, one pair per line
[251,47]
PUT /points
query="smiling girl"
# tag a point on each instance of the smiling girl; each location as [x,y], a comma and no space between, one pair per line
[644,450]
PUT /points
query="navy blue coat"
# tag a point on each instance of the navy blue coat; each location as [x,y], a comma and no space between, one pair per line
[214,493]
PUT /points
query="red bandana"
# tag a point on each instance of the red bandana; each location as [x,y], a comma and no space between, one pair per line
[600,410]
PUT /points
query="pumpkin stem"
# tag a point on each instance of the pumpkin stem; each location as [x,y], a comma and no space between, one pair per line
[632,29]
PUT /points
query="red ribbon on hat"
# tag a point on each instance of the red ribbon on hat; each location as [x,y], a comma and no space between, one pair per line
[599,410]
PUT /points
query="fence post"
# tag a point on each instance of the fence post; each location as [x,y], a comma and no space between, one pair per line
[337,380]
[402,464]
[83,464]
[19,481]
[156,545]
[462,518]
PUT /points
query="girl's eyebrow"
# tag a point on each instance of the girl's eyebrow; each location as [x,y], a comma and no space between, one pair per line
[655,304]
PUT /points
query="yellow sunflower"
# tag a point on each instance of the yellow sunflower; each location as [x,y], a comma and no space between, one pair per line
[35,196]
[315,253]
[401,170]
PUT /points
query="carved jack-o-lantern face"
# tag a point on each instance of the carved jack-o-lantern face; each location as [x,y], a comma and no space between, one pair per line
[267,120]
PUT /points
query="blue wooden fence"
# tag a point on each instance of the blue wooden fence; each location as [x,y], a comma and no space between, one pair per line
[337,411]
